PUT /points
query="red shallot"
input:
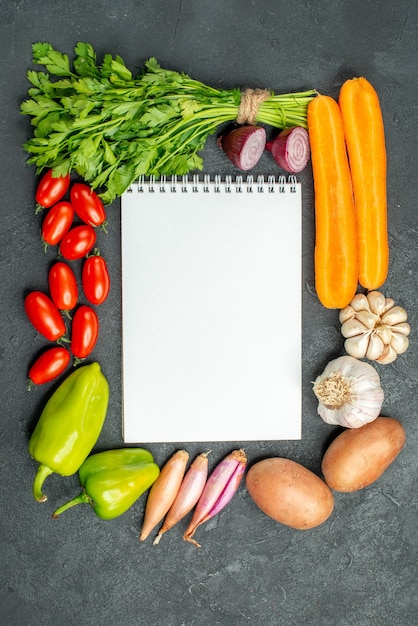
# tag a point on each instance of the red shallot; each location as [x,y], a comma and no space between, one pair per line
[244,145]
[189,493]
[291,149]
[220,487]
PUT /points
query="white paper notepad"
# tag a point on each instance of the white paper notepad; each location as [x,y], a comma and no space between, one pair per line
[211,310]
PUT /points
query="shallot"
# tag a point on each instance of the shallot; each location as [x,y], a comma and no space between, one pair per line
[220,487]
[291,149]
[164,491]
[189,493]
[244,145]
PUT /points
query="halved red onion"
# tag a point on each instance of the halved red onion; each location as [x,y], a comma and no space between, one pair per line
[291,149]
[244,145]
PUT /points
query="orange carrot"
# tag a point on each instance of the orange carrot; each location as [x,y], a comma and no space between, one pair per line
[365,138]
[336,258]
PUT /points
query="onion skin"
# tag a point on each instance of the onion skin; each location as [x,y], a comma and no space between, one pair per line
[291,149]
[357,458]
[289,493]
[244,146]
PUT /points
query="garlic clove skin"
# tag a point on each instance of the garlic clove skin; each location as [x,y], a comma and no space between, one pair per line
[385,334]
[349,393]
[399,343]
[357,346]
[342,418]
[348,416]
[375,347]
[368,319]
[369,325]
[346,314]
[395,315]
[377,302]
[360,302]
[352,327]
[389,303]
[403,328]
[388,356]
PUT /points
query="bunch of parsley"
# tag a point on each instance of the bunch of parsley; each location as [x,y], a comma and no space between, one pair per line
[111,127]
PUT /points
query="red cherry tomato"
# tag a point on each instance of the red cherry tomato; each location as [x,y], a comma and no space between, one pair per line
[44,315]
[87,205]
[63,286]
[51,189]
[84,331]
[77,242]
[49,365]
[95,279]
[57,223]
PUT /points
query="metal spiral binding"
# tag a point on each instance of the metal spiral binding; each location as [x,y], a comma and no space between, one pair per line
[217,184]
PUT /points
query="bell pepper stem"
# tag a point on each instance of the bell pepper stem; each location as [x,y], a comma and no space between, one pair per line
[82,498]
[41,474]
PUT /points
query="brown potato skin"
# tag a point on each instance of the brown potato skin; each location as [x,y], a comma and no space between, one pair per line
[359,456]
[289,493]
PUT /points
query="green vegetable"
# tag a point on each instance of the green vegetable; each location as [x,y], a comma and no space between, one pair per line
[69,425]
[113,480]
[112,127]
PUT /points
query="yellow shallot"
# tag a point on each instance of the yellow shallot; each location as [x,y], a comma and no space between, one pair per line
[164,491]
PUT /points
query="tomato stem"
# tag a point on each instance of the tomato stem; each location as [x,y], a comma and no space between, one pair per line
[39,208]
[78,360]
[63,340]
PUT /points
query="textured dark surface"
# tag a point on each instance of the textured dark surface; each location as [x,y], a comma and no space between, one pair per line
[358,568]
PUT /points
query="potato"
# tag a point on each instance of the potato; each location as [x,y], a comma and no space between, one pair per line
[359,456]
[289,493]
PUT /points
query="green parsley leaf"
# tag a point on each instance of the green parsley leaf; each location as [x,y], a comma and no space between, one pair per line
[85,61]
[55,62]
[111,128]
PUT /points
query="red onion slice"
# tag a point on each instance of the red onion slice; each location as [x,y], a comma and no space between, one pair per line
[244,145]
[291,149]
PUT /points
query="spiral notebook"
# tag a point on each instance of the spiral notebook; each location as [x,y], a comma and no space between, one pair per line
[211,309]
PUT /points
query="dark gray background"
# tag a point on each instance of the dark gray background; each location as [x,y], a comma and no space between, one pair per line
[357,569]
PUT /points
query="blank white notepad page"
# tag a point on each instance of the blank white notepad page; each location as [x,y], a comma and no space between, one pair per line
[211,311]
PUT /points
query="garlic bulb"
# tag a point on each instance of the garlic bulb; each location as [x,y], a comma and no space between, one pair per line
[349,392]
[374,328]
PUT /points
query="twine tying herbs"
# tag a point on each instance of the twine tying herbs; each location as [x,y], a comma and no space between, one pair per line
[250,103]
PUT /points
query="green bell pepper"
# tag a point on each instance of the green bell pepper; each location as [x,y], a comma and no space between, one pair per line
[69,425]
[112,481]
